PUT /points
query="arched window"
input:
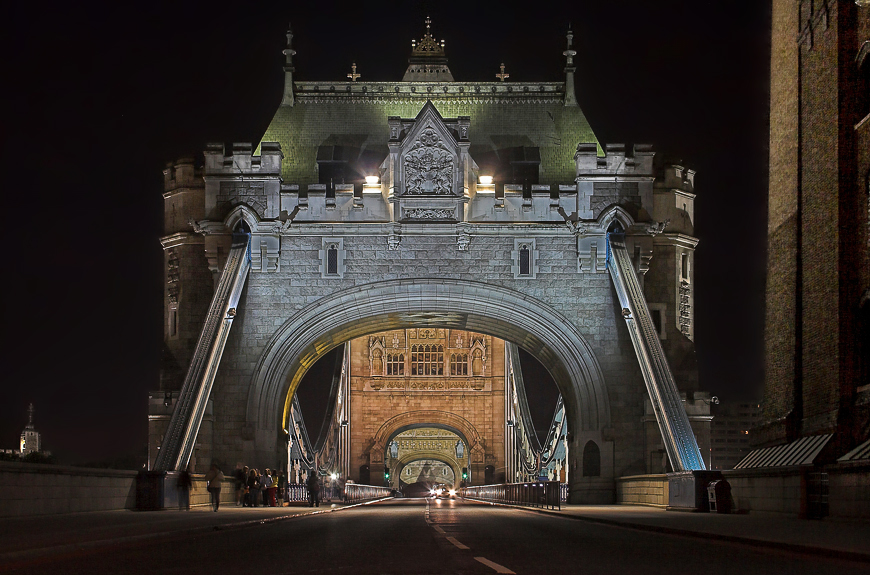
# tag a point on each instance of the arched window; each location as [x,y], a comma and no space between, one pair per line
[395,364]
[591,460]
[427,360]
[459,364]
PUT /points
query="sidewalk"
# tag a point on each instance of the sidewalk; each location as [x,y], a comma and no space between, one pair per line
[842,538]
[43,535]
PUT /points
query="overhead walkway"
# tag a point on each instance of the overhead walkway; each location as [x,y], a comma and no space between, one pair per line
[677,435]
[180,438]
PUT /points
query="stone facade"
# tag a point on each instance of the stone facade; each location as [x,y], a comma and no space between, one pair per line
[420,377]
[480,206]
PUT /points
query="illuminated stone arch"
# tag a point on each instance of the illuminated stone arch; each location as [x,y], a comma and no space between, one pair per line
[425,418]
[434,455]
[447,303]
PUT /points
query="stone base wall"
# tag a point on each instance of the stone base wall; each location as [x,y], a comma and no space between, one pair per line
[785,490]
[849,491]
[28,489]
[643,490]
[33,489]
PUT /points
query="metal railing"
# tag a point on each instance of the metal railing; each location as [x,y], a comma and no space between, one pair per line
[296,492]
[543,494]
[357,492]
[564,493]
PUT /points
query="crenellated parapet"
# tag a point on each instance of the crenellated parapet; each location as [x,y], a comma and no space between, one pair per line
[619,177]
[237,177]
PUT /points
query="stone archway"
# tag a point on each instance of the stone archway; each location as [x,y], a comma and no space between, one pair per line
[396,304]
[456,424]
[403,462]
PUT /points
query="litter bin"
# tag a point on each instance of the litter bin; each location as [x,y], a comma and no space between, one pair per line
[719,496]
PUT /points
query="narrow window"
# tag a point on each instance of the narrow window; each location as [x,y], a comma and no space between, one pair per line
[684,266]
[173,322]
[332,260]
[657,319]
[525,260]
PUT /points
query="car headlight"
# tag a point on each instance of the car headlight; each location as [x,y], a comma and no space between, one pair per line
[452,492]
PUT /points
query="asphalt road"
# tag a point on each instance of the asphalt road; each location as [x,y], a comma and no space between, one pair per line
[416,536]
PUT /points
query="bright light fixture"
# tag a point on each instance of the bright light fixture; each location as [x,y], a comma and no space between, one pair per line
[486,180]
[372,180]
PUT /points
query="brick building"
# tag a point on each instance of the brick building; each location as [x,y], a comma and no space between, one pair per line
[818,283]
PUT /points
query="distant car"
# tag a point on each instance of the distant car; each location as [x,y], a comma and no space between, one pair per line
[445,493]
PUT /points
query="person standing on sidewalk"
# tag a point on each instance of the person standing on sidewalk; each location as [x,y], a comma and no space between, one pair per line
[184,483]
[241,477]
[313,485]
[213,479]
[265,483]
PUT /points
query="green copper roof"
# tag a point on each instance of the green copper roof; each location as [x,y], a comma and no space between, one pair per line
[504,115]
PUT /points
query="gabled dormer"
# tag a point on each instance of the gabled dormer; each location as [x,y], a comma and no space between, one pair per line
[429,168]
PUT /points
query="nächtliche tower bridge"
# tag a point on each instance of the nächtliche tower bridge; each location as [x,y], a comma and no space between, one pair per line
[431,227]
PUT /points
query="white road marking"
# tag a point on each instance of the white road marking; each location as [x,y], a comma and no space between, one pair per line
[457,543]
[492,564]
[438,529]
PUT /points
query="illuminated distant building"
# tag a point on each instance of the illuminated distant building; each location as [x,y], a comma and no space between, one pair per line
[31,441]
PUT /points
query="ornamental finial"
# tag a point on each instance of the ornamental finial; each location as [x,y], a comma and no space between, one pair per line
[353,75]
[502,76]
[570,53]
[428,45]
[289,52]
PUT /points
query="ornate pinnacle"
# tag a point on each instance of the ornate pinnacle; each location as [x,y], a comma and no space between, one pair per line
[427,45]
[289,52]
[502,76]
[353,75]
[569,53]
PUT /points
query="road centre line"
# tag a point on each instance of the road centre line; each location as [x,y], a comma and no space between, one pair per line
[492,564]
[457,543]
[438,529]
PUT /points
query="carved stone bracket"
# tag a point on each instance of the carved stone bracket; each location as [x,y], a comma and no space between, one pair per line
[463,239]
[657,227]
[394,238]
[198,227]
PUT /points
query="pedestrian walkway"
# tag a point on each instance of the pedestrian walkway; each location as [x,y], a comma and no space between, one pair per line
[831,537]
[49,534]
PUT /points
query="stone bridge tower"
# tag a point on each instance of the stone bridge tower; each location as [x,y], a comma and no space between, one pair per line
[429,203]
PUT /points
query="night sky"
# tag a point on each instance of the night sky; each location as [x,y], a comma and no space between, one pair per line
[98,97]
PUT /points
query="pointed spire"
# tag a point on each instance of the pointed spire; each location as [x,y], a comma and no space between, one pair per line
[569,53]
[501,75]
[288,52]
[30,411]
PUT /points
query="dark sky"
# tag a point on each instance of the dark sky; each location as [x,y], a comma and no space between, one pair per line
[97,97]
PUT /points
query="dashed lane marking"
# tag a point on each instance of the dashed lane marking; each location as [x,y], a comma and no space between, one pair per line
[457,543]
[493,565]
[438,529]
